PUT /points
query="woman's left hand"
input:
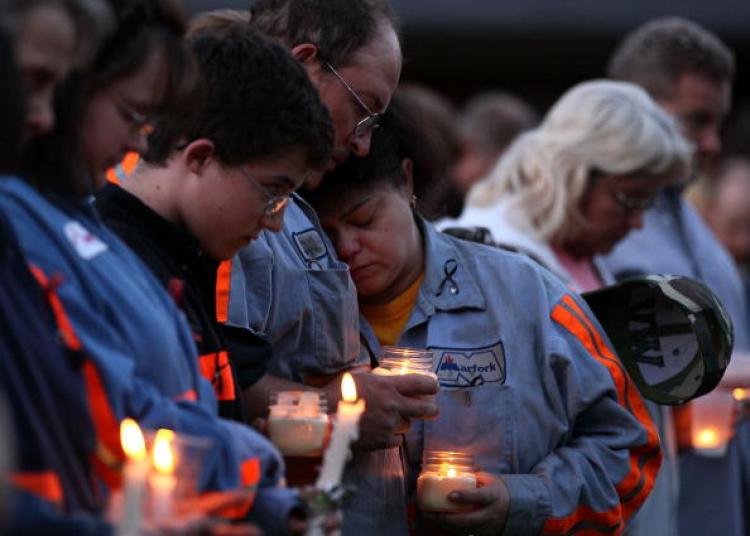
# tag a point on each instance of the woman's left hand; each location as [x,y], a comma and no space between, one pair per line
[491,502]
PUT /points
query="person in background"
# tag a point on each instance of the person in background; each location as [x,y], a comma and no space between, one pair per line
[688,71]
[292,289]
[442,136]
[572,188]
[727,212]
[488,123]
[583,452]
[139,356]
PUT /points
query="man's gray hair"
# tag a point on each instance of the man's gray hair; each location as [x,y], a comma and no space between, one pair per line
[656,54]
[339,28]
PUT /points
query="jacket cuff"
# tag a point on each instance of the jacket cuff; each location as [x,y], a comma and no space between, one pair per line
[529,504]
[272,508]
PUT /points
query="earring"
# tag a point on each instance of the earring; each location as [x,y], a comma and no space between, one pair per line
[413,201]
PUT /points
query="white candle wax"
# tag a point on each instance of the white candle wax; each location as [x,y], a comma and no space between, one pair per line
[135,474]
[162,480]
[296,435]
[433,490]
[345,430]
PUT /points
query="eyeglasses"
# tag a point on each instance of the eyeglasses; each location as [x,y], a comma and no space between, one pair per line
[275,203]
[371,121]
[139,123]
[631,204]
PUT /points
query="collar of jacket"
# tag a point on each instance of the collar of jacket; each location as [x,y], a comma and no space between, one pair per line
[439,249]
[176,242]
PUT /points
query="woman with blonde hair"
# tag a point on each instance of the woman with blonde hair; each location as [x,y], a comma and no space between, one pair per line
[576,185]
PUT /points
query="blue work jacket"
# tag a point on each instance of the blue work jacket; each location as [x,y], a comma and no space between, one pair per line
[138,341]
[530,387]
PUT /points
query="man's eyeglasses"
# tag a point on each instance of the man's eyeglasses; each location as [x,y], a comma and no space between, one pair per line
[275,203]
[371,121]
[631,204]
[139,123]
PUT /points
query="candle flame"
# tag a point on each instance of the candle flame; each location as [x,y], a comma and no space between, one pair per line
[131,439]
[707,438]
[163,456]
[740,394]
[404,368]
[348,388]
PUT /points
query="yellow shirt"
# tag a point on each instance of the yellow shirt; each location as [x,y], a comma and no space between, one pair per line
[389,319]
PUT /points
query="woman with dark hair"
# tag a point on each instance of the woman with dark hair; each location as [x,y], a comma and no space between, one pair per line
[51,477]
[555,424]
[140,359]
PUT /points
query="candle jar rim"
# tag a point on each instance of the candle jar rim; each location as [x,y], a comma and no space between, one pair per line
[405,351]
[295,398]
[458,459]
[414,364]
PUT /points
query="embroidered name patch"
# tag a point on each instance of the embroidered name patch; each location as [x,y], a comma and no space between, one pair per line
[470,367]
[311,244]
[86,245]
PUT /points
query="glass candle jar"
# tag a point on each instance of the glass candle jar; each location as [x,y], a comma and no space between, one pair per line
[398,361]
[444,472]
[298,422]
[711,422]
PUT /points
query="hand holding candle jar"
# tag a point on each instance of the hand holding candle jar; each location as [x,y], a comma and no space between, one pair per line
[444,472]
[134,478]
[401,361]
[345,430]
[298,422]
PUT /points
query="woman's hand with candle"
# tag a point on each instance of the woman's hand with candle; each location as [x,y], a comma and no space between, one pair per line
[491,502]
[391,404]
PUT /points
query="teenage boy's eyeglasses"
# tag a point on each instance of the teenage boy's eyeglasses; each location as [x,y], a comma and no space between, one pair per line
[139,123]
[371,121]
[631,204]
[275,203]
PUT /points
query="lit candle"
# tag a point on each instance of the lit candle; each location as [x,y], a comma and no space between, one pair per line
[298,423]
[345,430]
[711,422]
[443,473]
[134,478]
[740,394]
[162,480]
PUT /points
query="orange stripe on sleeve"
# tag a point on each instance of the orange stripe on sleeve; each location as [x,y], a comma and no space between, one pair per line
[644,460]
[250,477]
[70,339]
[215,368]
[43,484]
[223,286]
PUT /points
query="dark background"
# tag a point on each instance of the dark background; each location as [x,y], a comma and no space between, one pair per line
[536,48]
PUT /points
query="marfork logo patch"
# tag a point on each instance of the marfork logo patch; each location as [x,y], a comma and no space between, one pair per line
[470,367]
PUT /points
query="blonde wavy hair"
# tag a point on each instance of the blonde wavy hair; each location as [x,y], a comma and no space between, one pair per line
[597,127]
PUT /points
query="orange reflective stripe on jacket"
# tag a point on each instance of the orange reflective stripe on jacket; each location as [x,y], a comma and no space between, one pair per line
[70,339]
[124,169]
[644,460]
[250,477]
[216,369]
[223,287]
[43,484]
[109,453]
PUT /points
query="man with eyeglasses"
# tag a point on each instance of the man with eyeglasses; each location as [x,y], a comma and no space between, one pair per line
[689,72]
[291,288]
